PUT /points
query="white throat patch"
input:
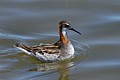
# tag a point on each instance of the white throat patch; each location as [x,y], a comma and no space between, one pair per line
[64,31]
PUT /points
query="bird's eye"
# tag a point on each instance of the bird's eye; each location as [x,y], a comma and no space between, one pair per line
[67,25]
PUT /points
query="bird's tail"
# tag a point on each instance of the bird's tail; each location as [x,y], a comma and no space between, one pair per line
[24,48]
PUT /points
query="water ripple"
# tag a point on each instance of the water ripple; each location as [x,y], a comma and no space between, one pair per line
[102,64]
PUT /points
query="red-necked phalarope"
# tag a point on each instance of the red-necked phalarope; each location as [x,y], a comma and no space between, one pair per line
[61,50]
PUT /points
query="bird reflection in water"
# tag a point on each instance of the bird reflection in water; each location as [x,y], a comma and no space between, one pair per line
[62,67]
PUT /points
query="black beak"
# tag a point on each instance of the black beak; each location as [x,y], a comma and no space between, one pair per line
[75,30]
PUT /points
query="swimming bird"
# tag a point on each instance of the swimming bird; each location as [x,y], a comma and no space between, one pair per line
[60,50]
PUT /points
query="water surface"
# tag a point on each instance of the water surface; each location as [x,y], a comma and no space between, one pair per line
[33,22]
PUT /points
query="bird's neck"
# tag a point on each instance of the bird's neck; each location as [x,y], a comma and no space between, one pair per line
[63,36]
